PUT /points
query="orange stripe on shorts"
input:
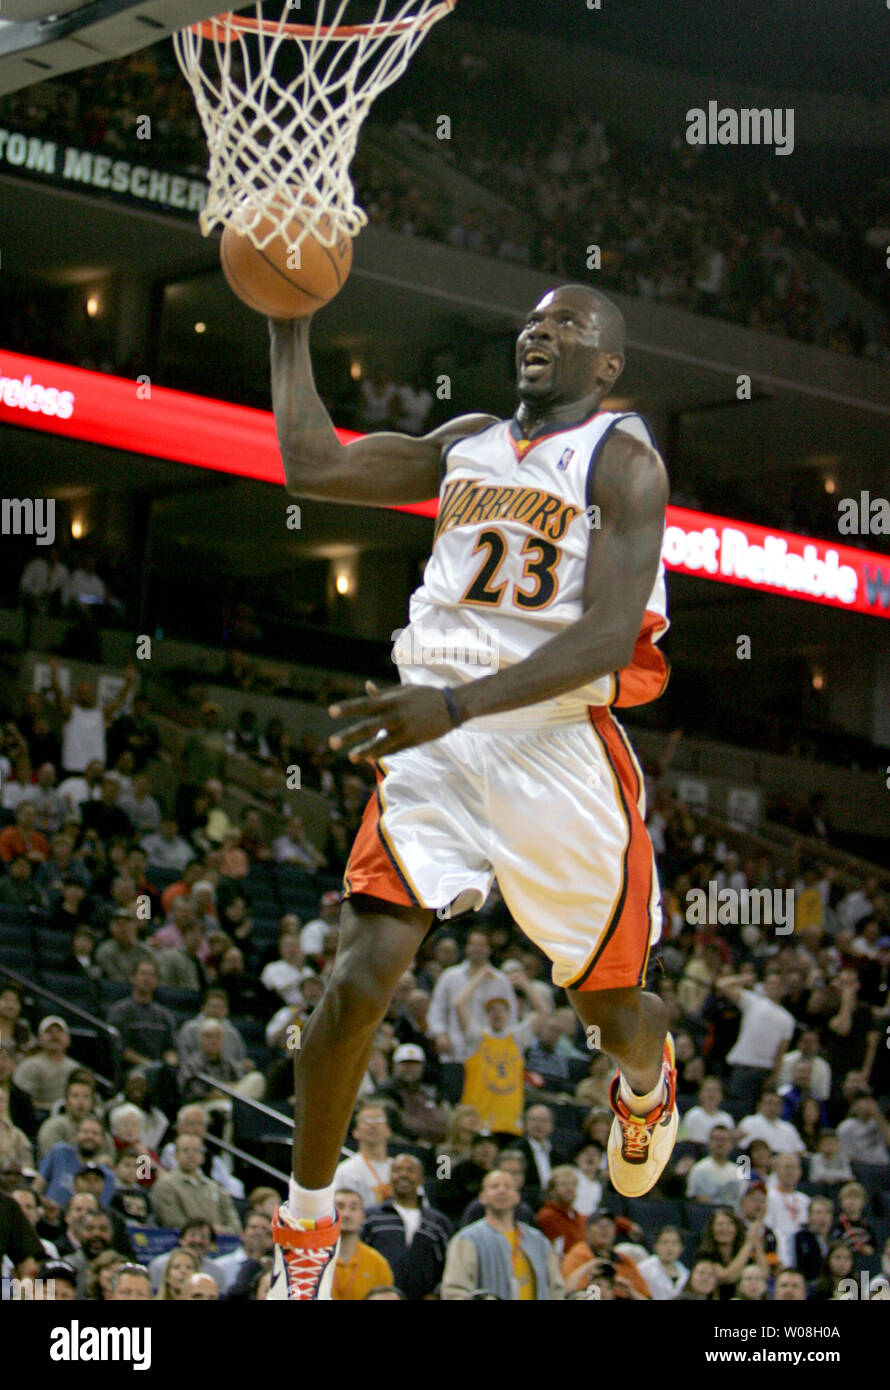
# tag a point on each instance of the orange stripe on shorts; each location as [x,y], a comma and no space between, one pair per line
[372,866]
[622,952]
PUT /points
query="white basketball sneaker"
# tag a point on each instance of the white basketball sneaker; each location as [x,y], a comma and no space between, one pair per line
[305,1257]
[640,1145]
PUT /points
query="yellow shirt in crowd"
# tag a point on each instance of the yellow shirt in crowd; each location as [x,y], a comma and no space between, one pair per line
[522,1270]
[366,1270]
[808,910]
[493,1083]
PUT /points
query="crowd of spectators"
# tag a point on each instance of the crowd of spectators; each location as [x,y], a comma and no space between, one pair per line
[665,232]
[672,222]
[72,584]
[202,931]
[99,108]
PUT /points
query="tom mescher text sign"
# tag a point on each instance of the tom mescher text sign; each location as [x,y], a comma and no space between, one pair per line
[48,160]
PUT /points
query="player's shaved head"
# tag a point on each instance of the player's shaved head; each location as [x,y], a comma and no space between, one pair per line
[610,320]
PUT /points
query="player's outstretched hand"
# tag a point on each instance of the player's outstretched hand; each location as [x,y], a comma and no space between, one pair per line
[389,721]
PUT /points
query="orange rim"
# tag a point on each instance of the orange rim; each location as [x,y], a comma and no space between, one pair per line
[226,26]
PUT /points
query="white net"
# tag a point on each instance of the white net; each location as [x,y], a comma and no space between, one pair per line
[282,104]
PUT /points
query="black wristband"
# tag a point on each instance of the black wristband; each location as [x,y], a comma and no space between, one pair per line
[452,707]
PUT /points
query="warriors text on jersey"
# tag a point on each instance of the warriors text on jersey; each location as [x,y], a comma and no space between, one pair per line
[508,564]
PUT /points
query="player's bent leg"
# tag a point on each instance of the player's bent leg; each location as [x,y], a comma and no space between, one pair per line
[632,1024]
[378,941]
[632,1028]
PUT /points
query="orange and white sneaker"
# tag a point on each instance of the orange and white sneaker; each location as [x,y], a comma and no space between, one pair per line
[305,1258]
[640,1145]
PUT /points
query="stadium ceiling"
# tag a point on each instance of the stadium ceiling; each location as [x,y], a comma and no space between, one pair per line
[40,39]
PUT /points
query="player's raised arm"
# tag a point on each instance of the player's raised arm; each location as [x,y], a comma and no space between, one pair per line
[381,469]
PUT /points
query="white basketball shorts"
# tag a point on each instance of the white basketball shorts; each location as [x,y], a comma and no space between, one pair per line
[555,813]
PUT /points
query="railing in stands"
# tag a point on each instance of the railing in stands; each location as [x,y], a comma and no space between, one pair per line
[256,1105]
[245,1157]
[808,847]
[782,842]
[24,983]
[114,1036]
[111,1034]
[245,1100]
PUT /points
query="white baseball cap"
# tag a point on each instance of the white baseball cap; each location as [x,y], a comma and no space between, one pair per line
[50,1021]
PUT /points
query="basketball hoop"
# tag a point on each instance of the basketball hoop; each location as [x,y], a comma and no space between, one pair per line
[281,144]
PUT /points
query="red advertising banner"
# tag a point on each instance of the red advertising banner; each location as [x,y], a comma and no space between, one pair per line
[777,562]
[140,418]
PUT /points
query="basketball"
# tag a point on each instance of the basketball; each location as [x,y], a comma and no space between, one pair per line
[285,280]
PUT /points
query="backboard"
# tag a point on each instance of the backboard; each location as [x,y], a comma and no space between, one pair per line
[40,39]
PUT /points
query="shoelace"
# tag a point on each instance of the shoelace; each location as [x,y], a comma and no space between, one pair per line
[636,1140]
[304,1268]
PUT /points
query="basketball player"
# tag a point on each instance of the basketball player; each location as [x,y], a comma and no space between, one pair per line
[548,550]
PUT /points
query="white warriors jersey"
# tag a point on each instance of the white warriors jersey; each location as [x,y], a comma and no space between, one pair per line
[508,564]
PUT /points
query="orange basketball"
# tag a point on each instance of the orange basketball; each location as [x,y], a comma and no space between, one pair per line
[285,280]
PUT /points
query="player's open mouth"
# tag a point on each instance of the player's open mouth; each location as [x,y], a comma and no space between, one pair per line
[535,363]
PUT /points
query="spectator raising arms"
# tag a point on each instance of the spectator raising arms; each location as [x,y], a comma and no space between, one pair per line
[493,1053]
[443,1018]
[766,1029]
[84,720]
[730,1247]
